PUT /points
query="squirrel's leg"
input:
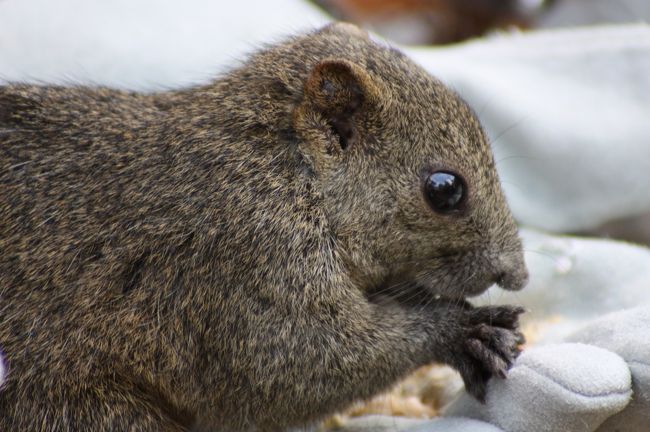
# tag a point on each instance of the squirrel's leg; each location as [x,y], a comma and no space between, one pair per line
[324,360]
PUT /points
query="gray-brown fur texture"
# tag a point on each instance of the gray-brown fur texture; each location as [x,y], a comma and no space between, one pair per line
[252,254]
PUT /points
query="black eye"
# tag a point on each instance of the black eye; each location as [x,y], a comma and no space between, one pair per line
[444,191]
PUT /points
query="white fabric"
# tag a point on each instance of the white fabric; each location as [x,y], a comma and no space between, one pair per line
[553,388]
[600,381]
[625,333]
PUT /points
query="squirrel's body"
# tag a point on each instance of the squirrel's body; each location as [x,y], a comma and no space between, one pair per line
[204,259]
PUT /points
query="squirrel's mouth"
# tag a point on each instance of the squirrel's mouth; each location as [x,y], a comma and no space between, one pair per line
[454,289]
[452,277]
[465,275]
[423,290]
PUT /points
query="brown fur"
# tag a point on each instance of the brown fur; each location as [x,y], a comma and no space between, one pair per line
[221,258]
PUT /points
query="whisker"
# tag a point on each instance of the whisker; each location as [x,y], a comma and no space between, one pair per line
[18,165]
[508,129]
[506,158]
[518,186]
[544,254]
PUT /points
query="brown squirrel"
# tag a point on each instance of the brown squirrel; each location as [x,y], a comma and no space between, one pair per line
[252,254]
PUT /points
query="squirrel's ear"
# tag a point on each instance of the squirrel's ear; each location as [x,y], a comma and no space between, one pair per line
[338,87]
[336,91]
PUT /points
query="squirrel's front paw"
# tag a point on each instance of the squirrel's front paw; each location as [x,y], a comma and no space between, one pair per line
[489,346]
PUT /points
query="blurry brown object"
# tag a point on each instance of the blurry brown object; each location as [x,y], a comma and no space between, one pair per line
[434,21]
[420,395]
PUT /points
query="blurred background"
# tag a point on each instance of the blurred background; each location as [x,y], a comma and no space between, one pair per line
[429,22]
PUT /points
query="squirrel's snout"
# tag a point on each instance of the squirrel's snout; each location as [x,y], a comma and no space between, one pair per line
[512,274]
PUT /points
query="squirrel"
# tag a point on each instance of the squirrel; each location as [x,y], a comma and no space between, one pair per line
[255,253]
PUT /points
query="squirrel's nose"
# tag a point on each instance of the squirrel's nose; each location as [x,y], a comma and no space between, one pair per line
[511,273]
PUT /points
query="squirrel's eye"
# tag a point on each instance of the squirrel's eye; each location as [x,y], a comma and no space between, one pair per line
[444,191]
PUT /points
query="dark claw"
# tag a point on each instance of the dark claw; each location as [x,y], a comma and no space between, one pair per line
[475,383]
[490,361]
[490,346]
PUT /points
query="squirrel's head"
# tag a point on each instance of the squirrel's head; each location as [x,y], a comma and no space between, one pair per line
[405,171]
